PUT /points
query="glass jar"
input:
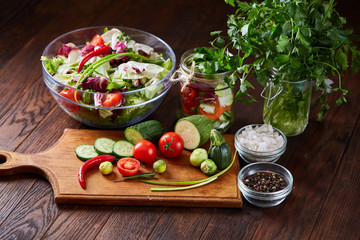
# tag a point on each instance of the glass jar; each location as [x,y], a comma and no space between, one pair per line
[206,94]
[287,106]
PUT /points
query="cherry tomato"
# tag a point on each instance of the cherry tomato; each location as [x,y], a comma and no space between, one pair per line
[70,94]
[171,145]
[219,110]
[97,40]
[112,100]
[189,96]
[128,166]
[145,151]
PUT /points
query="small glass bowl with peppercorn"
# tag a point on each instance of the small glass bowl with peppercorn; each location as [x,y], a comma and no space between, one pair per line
[265,184]
[260,143]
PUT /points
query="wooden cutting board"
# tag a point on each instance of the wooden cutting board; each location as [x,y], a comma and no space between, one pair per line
[59,165]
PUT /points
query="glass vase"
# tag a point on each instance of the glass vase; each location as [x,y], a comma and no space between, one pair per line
[287,106]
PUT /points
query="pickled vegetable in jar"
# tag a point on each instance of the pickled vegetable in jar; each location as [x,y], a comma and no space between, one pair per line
[203,93]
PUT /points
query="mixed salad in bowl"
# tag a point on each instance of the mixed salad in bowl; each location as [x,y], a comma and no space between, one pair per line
[108,77]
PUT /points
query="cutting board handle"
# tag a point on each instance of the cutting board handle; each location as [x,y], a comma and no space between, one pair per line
[13,163]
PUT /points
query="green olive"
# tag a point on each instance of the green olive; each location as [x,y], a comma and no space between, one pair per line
[208,167]
[106,167]
[159,166]
[198,156]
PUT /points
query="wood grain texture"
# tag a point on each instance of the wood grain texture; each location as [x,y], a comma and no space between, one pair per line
[324,160]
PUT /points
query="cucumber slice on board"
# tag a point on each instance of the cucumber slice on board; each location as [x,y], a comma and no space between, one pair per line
[149,130]
[194,130]
[104,145]
[123,148]
[85,152]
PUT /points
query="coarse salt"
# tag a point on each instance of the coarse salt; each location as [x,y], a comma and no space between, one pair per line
[260,138]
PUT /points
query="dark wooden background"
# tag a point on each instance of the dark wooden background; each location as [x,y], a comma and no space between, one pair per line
[324,160]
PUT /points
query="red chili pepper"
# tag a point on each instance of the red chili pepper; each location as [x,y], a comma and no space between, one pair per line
[98,51]
[92,163]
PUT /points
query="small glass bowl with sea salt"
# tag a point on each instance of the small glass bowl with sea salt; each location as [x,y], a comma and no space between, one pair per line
[260,143]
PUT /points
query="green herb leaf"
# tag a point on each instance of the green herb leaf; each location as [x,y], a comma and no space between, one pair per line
[283,44]
[276,31]
[281,59]
[341,59]
[303,39]
[244,29]
[230,2]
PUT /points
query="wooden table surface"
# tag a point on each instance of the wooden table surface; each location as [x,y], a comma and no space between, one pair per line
[324,160]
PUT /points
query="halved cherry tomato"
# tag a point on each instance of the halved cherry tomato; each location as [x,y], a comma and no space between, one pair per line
[171,145]
[97,40]
[128,166]
[70,94]
[145,151]
[219,110]
[112,100]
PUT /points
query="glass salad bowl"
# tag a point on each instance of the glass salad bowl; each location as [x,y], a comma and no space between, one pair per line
[106,97]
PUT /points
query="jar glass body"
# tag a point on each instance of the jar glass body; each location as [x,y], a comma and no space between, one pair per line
[287,106]
[206,94]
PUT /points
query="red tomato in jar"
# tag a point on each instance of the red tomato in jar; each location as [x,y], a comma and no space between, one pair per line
[189,97]
[71,95]
[188,110]
[128,166]
[171,145]
[145,151]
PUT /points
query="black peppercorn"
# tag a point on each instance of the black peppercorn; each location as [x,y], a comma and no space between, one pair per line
[265,182]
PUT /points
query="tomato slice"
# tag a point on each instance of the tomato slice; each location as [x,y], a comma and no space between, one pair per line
[70,94]
[97,40]
[112,100]
[128,166]
[219,110]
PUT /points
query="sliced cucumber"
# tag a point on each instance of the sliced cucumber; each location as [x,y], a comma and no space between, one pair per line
[149,130]
[85,152]
[224,94]
[104,145]
[194,130]
[123,148]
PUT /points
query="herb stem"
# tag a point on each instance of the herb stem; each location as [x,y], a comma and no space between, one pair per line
[332,67]
[194,182]
[183,188]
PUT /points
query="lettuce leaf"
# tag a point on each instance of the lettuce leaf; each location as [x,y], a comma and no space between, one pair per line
[53,64]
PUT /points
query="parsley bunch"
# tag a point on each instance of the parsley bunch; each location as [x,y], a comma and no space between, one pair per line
[301,39]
